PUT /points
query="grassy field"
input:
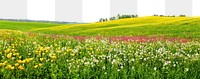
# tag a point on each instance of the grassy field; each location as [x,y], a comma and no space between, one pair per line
[144,26]
[24,26]
[139,48]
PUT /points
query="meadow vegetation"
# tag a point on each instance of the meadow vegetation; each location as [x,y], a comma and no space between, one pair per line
[134,48]
[30,55]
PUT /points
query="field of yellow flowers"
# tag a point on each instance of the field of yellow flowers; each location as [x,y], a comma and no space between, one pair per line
[34,55]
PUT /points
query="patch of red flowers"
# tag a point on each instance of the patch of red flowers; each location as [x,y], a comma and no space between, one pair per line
[135,38]
[119,38]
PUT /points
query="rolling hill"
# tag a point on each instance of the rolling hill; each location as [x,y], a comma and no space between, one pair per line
[186,27]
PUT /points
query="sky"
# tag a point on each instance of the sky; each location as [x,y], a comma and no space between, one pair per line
[41,9]
[151,7]
[196,9]
[92,10]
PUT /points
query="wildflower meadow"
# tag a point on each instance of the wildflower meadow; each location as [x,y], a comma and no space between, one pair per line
[35,55]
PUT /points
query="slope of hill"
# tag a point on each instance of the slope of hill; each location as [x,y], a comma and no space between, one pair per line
[143,26]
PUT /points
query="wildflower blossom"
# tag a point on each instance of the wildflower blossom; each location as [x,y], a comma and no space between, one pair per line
[72,55]
[17,64]
[9,55]
[10,67]
[35,66]
[21,68]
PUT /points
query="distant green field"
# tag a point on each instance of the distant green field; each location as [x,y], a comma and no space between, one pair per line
[24,26]
[144,26]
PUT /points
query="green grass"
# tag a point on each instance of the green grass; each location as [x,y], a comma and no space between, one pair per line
[185,27]
[24,26]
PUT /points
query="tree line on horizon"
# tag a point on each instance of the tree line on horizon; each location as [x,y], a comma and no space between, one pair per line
[117,17]
[132,16]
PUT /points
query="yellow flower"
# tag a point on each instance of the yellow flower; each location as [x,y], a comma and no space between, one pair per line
[35,66]
[56,44]
[36,51]
[13,50]
[2,64]
[90,48]
[34,42]
[0,53]
[65,53]
[9,55]
[43,54]
[12,44]
[59,51]
[54,57]
[10,67]
[41,49]
[6,51]
[21,61]
[28,60]
[47,60]
[52,61]
[41,59]
[20,57]
[17,64]
[47,48]
[5,62]
[40,64]
[46,51]
[72,55]
[21,67]
[69,50]
[16,54]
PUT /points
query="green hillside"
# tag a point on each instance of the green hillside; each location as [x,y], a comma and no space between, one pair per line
[143,26]
[24,26]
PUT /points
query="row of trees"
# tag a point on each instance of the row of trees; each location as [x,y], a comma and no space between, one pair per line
[170,16]
[117,17]
[132,16]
